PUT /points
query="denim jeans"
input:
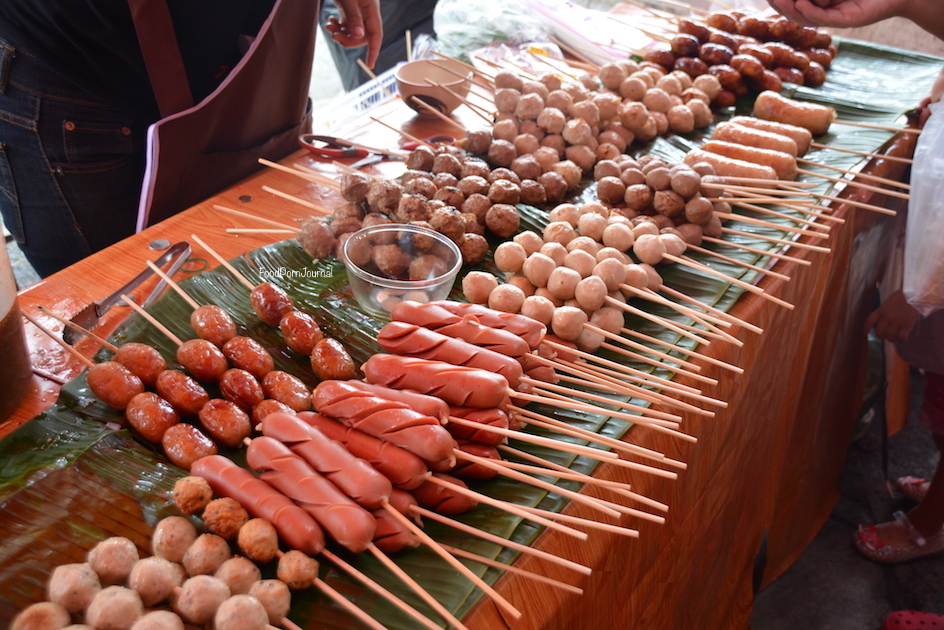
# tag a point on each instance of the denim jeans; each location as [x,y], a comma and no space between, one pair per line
[70,168]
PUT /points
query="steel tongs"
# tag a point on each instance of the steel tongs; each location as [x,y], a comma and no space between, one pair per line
[90,316]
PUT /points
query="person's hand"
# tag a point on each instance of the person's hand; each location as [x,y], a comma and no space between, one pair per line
[937,91]
[894,319]
[360,25]
[838,13]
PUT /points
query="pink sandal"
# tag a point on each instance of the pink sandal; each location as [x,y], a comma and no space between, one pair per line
[870,545]
[915,488]
[913,620]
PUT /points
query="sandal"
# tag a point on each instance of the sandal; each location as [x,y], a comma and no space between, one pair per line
[868,542]
[913,620]
[913,487]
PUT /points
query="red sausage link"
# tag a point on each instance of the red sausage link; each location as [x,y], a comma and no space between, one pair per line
[184,444]
[143,360]
[226,422]
[113,384]
[531,330]
[300,331]
[492,417]
[415,341]
[287,389]
[348,523]
[270,303]
[404,469]
[242,388]
[467,328]
[443,499]
[388,420]
[202,359]
[426,405]
[212,323]
[268,406]
[354,476]
[457,385]
[181,391]
[295,526]
[151,415]
[248,354]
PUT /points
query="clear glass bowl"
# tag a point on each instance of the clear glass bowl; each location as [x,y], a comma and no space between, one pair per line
[392,262]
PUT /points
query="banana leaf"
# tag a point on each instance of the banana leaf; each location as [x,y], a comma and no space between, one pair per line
[73,475]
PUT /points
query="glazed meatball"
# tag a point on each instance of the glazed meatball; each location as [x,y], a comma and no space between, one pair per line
[611,190]
[421,159]
[533,193]
[502,219]
[555,186]
[472,184]
[447,221]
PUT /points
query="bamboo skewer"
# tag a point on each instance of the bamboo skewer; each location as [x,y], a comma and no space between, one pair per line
[740,218]
[560,473]
[66,322]
[173,285]
[659,417]
[409,45]
[495,596]
[264,220]
[370,73]
[576,520]
[152,320]
[68,348]
[856,204]
[467,65]
[656,320]
[380,590]
[653,362]
[409,137]
[755,250]
[688,353]
[298,200]
[698,317]
[435,112]
[743,200]
[857,184]
[591,502]
[223,262]
[774,183]
[711,309]
[473,80]
[573,52]
[893,158]
[483,113]
[892,128]
[259,231]
[348,605]
[292,171]
[866,176]
[405,577]
[543,59]
[662,356]
[771,239]
[734,261]
[684,260]
[511,569]
[805,206]
[318,178]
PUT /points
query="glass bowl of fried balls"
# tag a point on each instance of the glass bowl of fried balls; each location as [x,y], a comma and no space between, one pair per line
[389,263]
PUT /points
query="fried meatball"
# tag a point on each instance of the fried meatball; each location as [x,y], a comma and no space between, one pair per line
[533,193]
[354,186]
[555,186]
[421,159]
[297,570]
[529,106]
[611,190]
[275,597]
[474,248]
[506,99]
[192,494]
[449,222]
[502,153]
[224,517]
[503,191]
[577,131]
[473,184]
[383,195]
[502,219]
[239,574]
[570,173]
[476,142]
[258,540]
[505,130]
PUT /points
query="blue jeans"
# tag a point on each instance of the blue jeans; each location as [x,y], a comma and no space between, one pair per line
[70,168]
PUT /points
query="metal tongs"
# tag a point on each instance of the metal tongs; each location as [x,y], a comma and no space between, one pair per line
[90,316]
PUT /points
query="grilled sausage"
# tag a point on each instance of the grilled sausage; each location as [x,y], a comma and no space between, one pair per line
[457,385]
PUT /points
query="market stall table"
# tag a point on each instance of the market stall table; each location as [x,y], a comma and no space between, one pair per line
[762,475]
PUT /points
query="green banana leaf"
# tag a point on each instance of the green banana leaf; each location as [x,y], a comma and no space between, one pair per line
[73,476]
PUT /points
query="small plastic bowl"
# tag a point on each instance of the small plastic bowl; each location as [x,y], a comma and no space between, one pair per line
[417,78]
[392,262]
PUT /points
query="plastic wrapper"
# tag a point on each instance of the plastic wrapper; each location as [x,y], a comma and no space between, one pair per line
[923,283]
[462,26]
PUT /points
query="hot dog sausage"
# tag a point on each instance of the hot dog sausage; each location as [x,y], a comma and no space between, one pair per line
[143,360]
[113,383]
[184,444]
[151,415]
[288,389]
[773,106]
[442,499]
[415,341]
[426,405]
[404,469]
[391,535]
[212,323]
[784,164]
[468,328]
[800,135]
[457,385]
[388,420]
[532,331]
[294,525]
[467,469]
[354,476]
[225,422]
[740,134]
[729,167]
[348,523]
[202,359]
[492,417]
[270,303]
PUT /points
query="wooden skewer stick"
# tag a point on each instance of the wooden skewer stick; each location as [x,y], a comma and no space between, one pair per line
[409,137]
[856,204]
[482,84]
[480,111]
[893,158]
[151,319]
[298,200]
[409,45]
[417,588]
[663,356]
[496,597]
[259,231]
[648,361]
[619,385]
[561,473]
[711,309]
[317,177]
[576,520]
[686,352]
[537,553]
[656,320]
[264,220]
[570,403]
[435,112]
[700,318]
[66,322]
[742,199]
[602,385]
[805,206]
[380,590]
[543,59]
[68,348]
[173,285]
[657,417]
[694,264]
[769,183]
[462,553]
[348,605]
[466,65]
[892,128]
[735,261]
[740,218]
[501,469]
[373,76]
[755,250]
[622,489]
[557,445]
[292,171]
[856,183]
[771,239]
[866,176]
[575,53]
[223,262]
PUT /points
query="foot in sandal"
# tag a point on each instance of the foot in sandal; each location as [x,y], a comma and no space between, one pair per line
[915,488]
[896,541]
[912,619]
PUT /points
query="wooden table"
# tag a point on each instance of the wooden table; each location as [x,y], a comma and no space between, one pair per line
[762,475]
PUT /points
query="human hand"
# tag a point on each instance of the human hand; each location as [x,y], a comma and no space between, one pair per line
[838,13]
[360,25]
[937,91]
[894,318]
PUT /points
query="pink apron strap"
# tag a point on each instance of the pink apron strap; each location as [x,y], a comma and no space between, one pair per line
[165,66]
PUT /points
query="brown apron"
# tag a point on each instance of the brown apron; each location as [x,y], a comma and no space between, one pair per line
[258,111]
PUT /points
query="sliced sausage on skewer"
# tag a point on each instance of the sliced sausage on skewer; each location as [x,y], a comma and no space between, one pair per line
[457,385]
[532,331]
[468,328]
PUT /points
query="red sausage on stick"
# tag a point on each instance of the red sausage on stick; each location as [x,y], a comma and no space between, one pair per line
[457,385]
[388,420]
[294,525]
[354,476]
[443,499]
[426,405]
[404,469]
[531,330]
[468,327]
[415,341]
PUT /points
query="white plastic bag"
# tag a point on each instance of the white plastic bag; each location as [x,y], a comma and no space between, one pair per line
[923,283]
